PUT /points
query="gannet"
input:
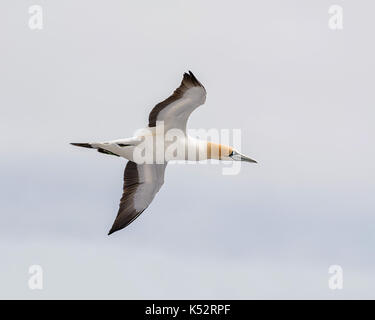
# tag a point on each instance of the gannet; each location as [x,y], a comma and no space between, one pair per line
[144,176]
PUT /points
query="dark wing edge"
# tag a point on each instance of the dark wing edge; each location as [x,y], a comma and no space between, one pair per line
[188,81]
[127,212]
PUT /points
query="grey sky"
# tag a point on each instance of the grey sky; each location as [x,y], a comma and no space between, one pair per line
[301,93]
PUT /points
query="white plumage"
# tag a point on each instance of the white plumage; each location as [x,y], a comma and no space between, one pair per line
[144,174]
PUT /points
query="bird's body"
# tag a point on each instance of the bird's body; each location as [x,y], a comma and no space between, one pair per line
[165,139]
[191,149]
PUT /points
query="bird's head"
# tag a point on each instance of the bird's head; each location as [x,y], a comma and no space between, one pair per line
[223,152]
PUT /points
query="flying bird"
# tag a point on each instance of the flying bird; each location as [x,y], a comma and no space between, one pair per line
[144,178]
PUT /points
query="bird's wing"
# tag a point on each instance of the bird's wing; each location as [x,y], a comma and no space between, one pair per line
[141,183]
[176,109]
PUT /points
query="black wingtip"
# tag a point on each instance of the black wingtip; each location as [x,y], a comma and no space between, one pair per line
[114,228]
[189,74]
[112,231]
[84,145]
[193,78]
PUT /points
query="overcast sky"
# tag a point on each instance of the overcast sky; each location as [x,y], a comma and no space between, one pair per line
[301,93]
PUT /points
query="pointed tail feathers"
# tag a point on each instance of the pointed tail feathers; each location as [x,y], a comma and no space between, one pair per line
[84,145]
[88,145]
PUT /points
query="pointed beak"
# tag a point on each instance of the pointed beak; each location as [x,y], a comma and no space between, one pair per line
[235,155]
[247,159]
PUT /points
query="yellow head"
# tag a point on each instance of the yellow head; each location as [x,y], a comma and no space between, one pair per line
[223,152]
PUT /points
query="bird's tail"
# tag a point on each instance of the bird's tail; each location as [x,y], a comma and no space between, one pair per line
[89,145]
[84,145]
